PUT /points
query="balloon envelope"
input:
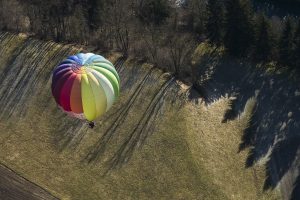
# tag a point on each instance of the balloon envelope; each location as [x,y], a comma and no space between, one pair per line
[85,85]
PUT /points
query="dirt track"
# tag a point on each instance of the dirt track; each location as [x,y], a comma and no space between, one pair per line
[15,187]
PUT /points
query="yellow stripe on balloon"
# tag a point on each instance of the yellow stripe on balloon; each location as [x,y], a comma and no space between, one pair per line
[88,102]
[99,95]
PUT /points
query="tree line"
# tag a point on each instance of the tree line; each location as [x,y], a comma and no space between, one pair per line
[163,32]
[245,33]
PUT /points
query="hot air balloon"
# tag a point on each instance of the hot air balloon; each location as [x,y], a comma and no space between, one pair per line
[85,85]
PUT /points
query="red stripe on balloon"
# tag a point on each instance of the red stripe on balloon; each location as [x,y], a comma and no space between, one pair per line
[65,93]
[76,101]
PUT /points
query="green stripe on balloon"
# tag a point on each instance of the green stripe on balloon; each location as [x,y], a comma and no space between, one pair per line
[111,77]
[108,67]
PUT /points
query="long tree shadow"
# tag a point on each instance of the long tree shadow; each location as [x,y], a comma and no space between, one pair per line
[69,134]
[283,155]
[99,148]
[142,130]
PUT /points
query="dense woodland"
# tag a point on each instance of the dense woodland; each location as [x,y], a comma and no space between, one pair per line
[163,32]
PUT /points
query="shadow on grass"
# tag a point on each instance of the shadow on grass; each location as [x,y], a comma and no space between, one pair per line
[273,129]
[99,148]
[281,160]
[142,130]
[296,190]
[69,136]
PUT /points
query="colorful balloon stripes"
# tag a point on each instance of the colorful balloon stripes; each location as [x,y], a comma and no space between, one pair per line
[85,85]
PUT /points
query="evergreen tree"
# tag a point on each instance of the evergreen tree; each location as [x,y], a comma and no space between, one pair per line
[286,44]
[214,24]
[263,46]
[154,11]
[239,32]
[296,51]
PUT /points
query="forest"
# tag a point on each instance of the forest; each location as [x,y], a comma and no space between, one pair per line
[162,32]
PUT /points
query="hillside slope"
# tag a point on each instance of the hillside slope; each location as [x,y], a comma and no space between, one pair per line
[272,131]
[159,141]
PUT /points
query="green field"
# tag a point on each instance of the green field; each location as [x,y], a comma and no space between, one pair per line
[155,143]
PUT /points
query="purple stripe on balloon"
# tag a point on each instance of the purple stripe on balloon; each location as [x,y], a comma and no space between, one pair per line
[59,84]
[65,93]
[58,75]
[61,67]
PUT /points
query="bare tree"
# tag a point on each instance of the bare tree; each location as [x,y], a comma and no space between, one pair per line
[11,16]
[152,40]
[119,24]
[181,47]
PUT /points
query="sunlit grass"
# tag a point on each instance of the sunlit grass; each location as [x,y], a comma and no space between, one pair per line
[189,155]
[215,146]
